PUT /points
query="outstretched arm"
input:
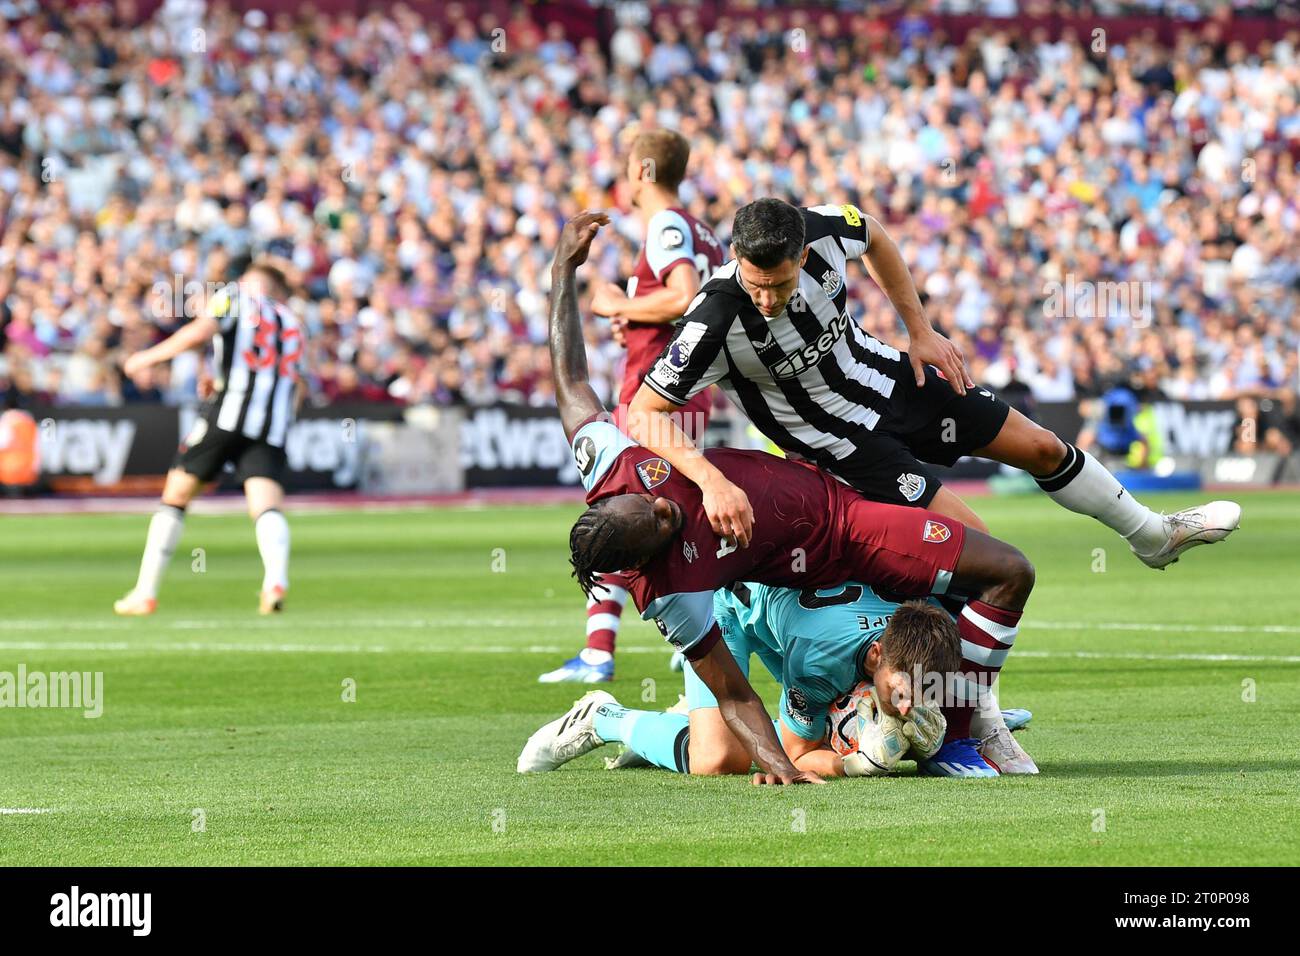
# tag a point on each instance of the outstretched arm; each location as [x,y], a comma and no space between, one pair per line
[188,337]
[746,717]
[664,305]
[926,346]
[573,392]
[727,506]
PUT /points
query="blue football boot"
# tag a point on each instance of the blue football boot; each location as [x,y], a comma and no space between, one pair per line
[1017,718]
[577,671]
[957,758]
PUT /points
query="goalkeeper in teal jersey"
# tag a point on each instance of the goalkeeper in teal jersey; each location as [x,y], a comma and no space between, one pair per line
[847,659]
[818,645]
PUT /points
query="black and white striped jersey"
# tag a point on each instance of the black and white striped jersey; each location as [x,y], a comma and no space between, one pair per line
[258,364]
[810,378]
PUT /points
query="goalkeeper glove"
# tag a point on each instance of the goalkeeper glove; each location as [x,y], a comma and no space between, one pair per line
[924,729]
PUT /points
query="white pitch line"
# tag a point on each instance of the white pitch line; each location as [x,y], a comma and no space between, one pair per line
[245,624]
[265,648]
[226,648]
[1120,656]
[67,645]
[14,811]
[1175,628]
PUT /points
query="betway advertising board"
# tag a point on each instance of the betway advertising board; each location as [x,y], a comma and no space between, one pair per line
[499,446]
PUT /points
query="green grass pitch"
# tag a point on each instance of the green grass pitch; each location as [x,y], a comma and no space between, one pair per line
[1167,707]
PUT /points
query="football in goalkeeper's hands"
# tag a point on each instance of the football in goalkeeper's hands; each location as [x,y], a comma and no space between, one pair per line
[842,719]
[882,742]
[842,722]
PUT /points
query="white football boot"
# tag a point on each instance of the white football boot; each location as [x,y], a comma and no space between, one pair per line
[1000,749]
[565,738]
[627,757]
[271,602]
[1187,529]
[135,606]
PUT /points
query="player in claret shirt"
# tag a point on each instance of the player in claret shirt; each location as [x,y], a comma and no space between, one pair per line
[810,530]
[680,253]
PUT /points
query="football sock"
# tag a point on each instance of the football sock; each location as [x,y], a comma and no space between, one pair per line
[164,532]
[273,544]
[1083,485]
[604,614]
[614,723]
[987,716]
[660,738]
[987,634]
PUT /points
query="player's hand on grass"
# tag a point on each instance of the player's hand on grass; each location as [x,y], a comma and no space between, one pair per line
[607,299]
[575,238]
[931,348]
[762,779]
[925,728]
[881,742]
[728,509]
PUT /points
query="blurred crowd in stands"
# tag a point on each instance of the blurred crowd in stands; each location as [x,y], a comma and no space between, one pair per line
[1077,213]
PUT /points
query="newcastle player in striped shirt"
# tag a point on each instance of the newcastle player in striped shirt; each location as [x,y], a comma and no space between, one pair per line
[258,343]
[772,329]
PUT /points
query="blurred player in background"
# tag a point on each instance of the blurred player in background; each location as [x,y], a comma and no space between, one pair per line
[258,343]
[680,253]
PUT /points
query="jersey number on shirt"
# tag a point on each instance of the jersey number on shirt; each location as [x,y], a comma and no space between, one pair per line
[811,600]
[702,265]
[263,353]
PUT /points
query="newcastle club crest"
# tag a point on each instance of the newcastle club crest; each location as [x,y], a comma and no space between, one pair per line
[911,486]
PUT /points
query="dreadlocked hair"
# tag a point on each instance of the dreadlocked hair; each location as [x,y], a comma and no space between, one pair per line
[594,547]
